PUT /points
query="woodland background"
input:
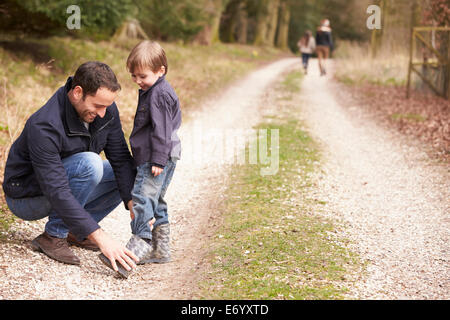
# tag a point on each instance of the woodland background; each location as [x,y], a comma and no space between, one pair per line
[277,23]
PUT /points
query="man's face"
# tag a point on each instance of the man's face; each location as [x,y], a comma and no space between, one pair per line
[92,106]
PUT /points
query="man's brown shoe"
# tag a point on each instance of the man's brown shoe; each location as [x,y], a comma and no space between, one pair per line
[55,248]
[85,244]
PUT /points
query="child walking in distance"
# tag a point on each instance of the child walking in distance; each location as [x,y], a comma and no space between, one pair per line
[156,149]
[306,45]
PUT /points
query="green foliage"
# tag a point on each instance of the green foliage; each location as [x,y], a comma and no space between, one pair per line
[172,19]
[97,17]
[14,18]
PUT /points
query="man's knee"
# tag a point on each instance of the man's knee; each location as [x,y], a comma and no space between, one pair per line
[89,166]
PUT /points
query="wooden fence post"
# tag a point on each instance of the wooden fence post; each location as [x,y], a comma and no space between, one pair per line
[447,90]
[411,56]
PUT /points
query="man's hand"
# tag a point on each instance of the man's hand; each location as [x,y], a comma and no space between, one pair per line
[113,251]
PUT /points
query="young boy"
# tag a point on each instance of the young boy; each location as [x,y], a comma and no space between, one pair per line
[156,149]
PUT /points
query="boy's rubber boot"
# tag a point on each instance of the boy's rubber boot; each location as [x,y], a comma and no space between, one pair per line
[136,245]
[161,245]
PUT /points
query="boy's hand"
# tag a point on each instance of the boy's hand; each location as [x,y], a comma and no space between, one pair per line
[156,171]
[130,206]
[151,222]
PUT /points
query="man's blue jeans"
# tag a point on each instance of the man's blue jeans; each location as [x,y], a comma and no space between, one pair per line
[93,184]
[148,198]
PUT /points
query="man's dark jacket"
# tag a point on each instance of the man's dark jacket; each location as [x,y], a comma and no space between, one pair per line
[52,133]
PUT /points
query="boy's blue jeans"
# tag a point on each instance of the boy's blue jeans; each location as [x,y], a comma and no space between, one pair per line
[148,198]
[93,184]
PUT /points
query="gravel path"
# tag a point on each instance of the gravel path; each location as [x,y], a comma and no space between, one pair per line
[196,188]
[393,201]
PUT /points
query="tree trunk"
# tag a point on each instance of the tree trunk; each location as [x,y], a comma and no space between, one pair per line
[210,33]
[130,29]
[230,21]
[262,21]
[447,83]
[242,24]
[283,26]
[273,21]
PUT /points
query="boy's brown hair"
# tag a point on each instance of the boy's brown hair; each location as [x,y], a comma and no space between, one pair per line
[147,54]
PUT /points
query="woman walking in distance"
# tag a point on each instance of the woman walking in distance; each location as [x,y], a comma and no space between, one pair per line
[306,45]
[324,42]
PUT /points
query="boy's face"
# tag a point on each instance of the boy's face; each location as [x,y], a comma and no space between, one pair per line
[145,78]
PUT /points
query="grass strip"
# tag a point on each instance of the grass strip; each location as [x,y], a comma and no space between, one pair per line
[271,244]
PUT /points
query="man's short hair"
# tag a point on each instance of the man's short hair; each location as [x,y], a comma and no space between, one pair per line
[147,54]
[93,75]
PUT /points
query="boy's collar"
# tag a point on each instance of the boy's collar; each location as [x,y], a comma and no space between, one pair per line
[154,85]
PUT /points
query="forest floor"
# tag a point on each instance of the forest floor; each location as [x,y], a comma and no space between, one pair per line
[382,186]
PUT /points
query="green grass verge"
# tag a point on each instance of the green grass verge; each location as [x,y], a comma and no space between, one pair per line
[270,245]
[6,220]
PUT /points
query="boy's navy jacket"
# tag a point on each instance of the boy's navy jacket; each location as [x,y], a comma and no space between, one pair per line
[54,132]
[154,137]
